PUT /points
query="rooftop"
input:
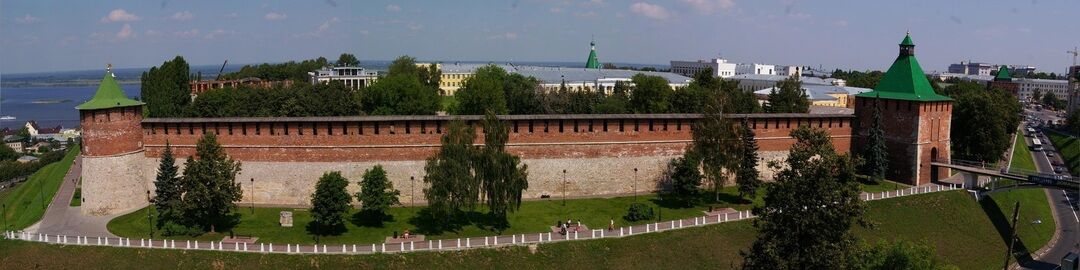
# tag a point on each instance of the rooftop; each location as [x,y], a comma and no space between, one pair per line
[905,79]
[108,95]
[570,75]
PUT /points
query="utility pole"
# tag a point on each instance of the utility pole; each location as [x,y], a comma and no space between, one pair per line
[635,184]
[412,187]
[1012,239]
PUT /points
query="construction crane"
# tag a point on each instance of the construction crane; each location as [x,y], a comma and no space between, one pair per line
[220,71]
[1074,52]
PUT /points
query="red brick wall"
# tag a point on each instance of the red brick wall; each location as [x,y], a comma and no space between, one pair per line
[111,131]
[416,138]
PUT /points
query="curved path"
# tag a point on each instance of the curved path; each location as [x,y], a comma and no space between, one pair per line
[62,219]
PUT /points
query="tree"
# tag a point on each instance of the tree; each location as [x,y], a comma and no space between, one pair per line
[1072,122]
[1037,96]
[650,94]
[713,138]
[330,203]
[169,192]
[982,121]
[6,153]
[522,95]
[452,186]
[685,177]
[502,176]
[483,91]
[376,194]
[210,187]
[347,60]
[1052,101]
[747,177]
[788,97]
[165,90]
[399,95]
[875,154]
[808,212]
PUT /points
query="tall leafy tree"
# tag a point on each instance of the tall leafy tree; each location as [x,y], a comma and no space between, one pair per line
[399,95]
[452,185]
[484,91]
[6,153]
[808,212]
[347,60]
[982,121]
[522,95]
[330,203]
[210,187]
[165,89]
[168,199]
[747,177]
[650,94]
[714,136]
[377,193]
[501,174]
[900,255]
[685,177]
[1072,122]
[788,97]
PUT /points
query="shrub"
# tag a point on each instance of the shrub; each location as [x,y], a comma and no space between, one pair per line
[639,211]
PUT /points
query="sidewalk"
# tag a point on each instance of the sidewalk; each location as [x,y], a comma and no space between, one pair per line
[62,219]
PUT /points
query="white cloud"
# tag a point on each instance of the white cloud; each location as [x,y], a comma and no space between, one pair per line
[651,11]
[556,10]
[710,6]
[27,19]
[415,27]
[393,8]
[187,34]
[506,36]
[182,16]
[218,33]
[125,32]
[233,15]
[587,15]
[119,15]
[274,16]
[319,31]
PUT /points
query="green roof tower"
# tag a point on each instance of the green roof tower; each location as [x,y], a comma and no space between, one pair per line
[905,79]
[1003,75]
[915,121]
[108,95]
[592,62]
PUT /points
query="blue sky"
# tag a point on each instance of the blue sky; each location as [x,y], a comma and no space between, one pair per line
[48,35]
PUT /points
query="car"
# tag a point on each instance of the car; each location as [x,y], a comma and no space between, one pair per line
[1050,154]
[1058,169]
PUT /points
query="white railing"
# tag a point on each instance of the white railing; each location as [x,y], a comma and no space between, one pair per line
[429,245]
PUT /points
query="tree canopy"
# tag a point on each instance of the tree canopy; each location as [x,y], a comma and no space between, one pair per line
[650,94]
[330,203]
[166,89]
[377,194]
[982,121]
[788,97]
[483,91]
[347,60]
[210,187]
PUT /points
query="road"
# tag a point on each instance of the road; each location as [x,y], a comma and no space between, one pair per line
[60,218]
[1064,205]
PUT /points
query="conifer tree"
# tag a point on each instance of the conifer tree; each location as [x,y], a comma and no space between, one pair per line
[168,192]
[376,194]
[875,155]
[210,187]
[788,97]
[747,176]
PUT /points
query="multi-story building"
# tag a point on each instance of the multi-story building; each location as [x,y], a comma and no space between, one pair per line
[720,67]
[789,71]
[453,76]
[971,68]
[753,82]
[353,77]
[755,68]
[822,95]
[1027,87]
[1074,94]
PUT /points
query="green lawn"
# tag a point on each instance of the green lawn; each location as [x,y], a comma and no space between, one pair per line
[885,185]
[1021,157]
[76,198]
[25,204]
[950,221]
[1069,148]
[534,216]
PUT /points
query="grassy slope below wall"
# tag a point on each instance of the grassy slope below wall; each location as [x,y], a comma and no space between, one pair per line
[1034,204]
[24,205]
[952,222]
[1069,147]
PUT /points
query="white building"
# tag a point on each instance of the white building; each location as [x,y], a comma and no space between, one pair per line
[353,77]
[755,68]
[1060,88]
[789,71]
[754,82]
[720,67]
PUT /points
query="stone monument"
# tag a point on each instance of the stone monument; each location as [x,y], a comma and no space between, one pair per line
[285,219]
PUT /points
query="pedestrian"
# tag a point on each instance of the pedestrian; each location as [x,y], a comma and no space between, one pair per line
[611,225]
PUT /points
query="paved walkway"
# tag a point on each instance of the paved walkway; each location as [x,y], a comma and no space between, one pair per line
[62,219]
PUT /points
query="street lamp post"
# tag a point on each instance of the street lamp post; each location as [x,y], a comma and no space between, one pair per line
[252,196]
[635,184]
[564,187]
[4,215]
[149,221]
[412,189]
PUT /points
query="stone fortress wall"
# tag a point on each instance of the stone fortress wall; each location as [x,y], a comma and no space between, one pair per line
[286,156]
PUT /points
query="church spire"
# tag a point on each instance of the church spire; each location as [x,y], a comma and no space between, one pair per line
[592,62]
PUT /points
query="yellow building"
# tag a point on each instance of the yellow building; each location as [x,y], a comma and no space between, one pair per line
[453,76]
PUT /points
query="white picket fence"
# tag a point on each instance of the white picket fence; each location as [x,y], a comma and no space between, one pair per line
[428,245]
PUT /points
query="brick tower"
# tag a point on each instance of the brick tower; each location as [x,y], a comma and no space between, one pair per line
[111,122]
[916,119]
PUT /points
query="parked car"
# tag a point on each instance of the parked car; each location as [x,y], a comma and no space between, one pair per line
[1058,169]
[1050,154]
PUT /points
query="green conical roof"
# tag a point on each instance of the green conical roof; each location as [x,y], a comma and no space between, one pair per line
[1003,74]
[592,62]
[109,95]
[905,80]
